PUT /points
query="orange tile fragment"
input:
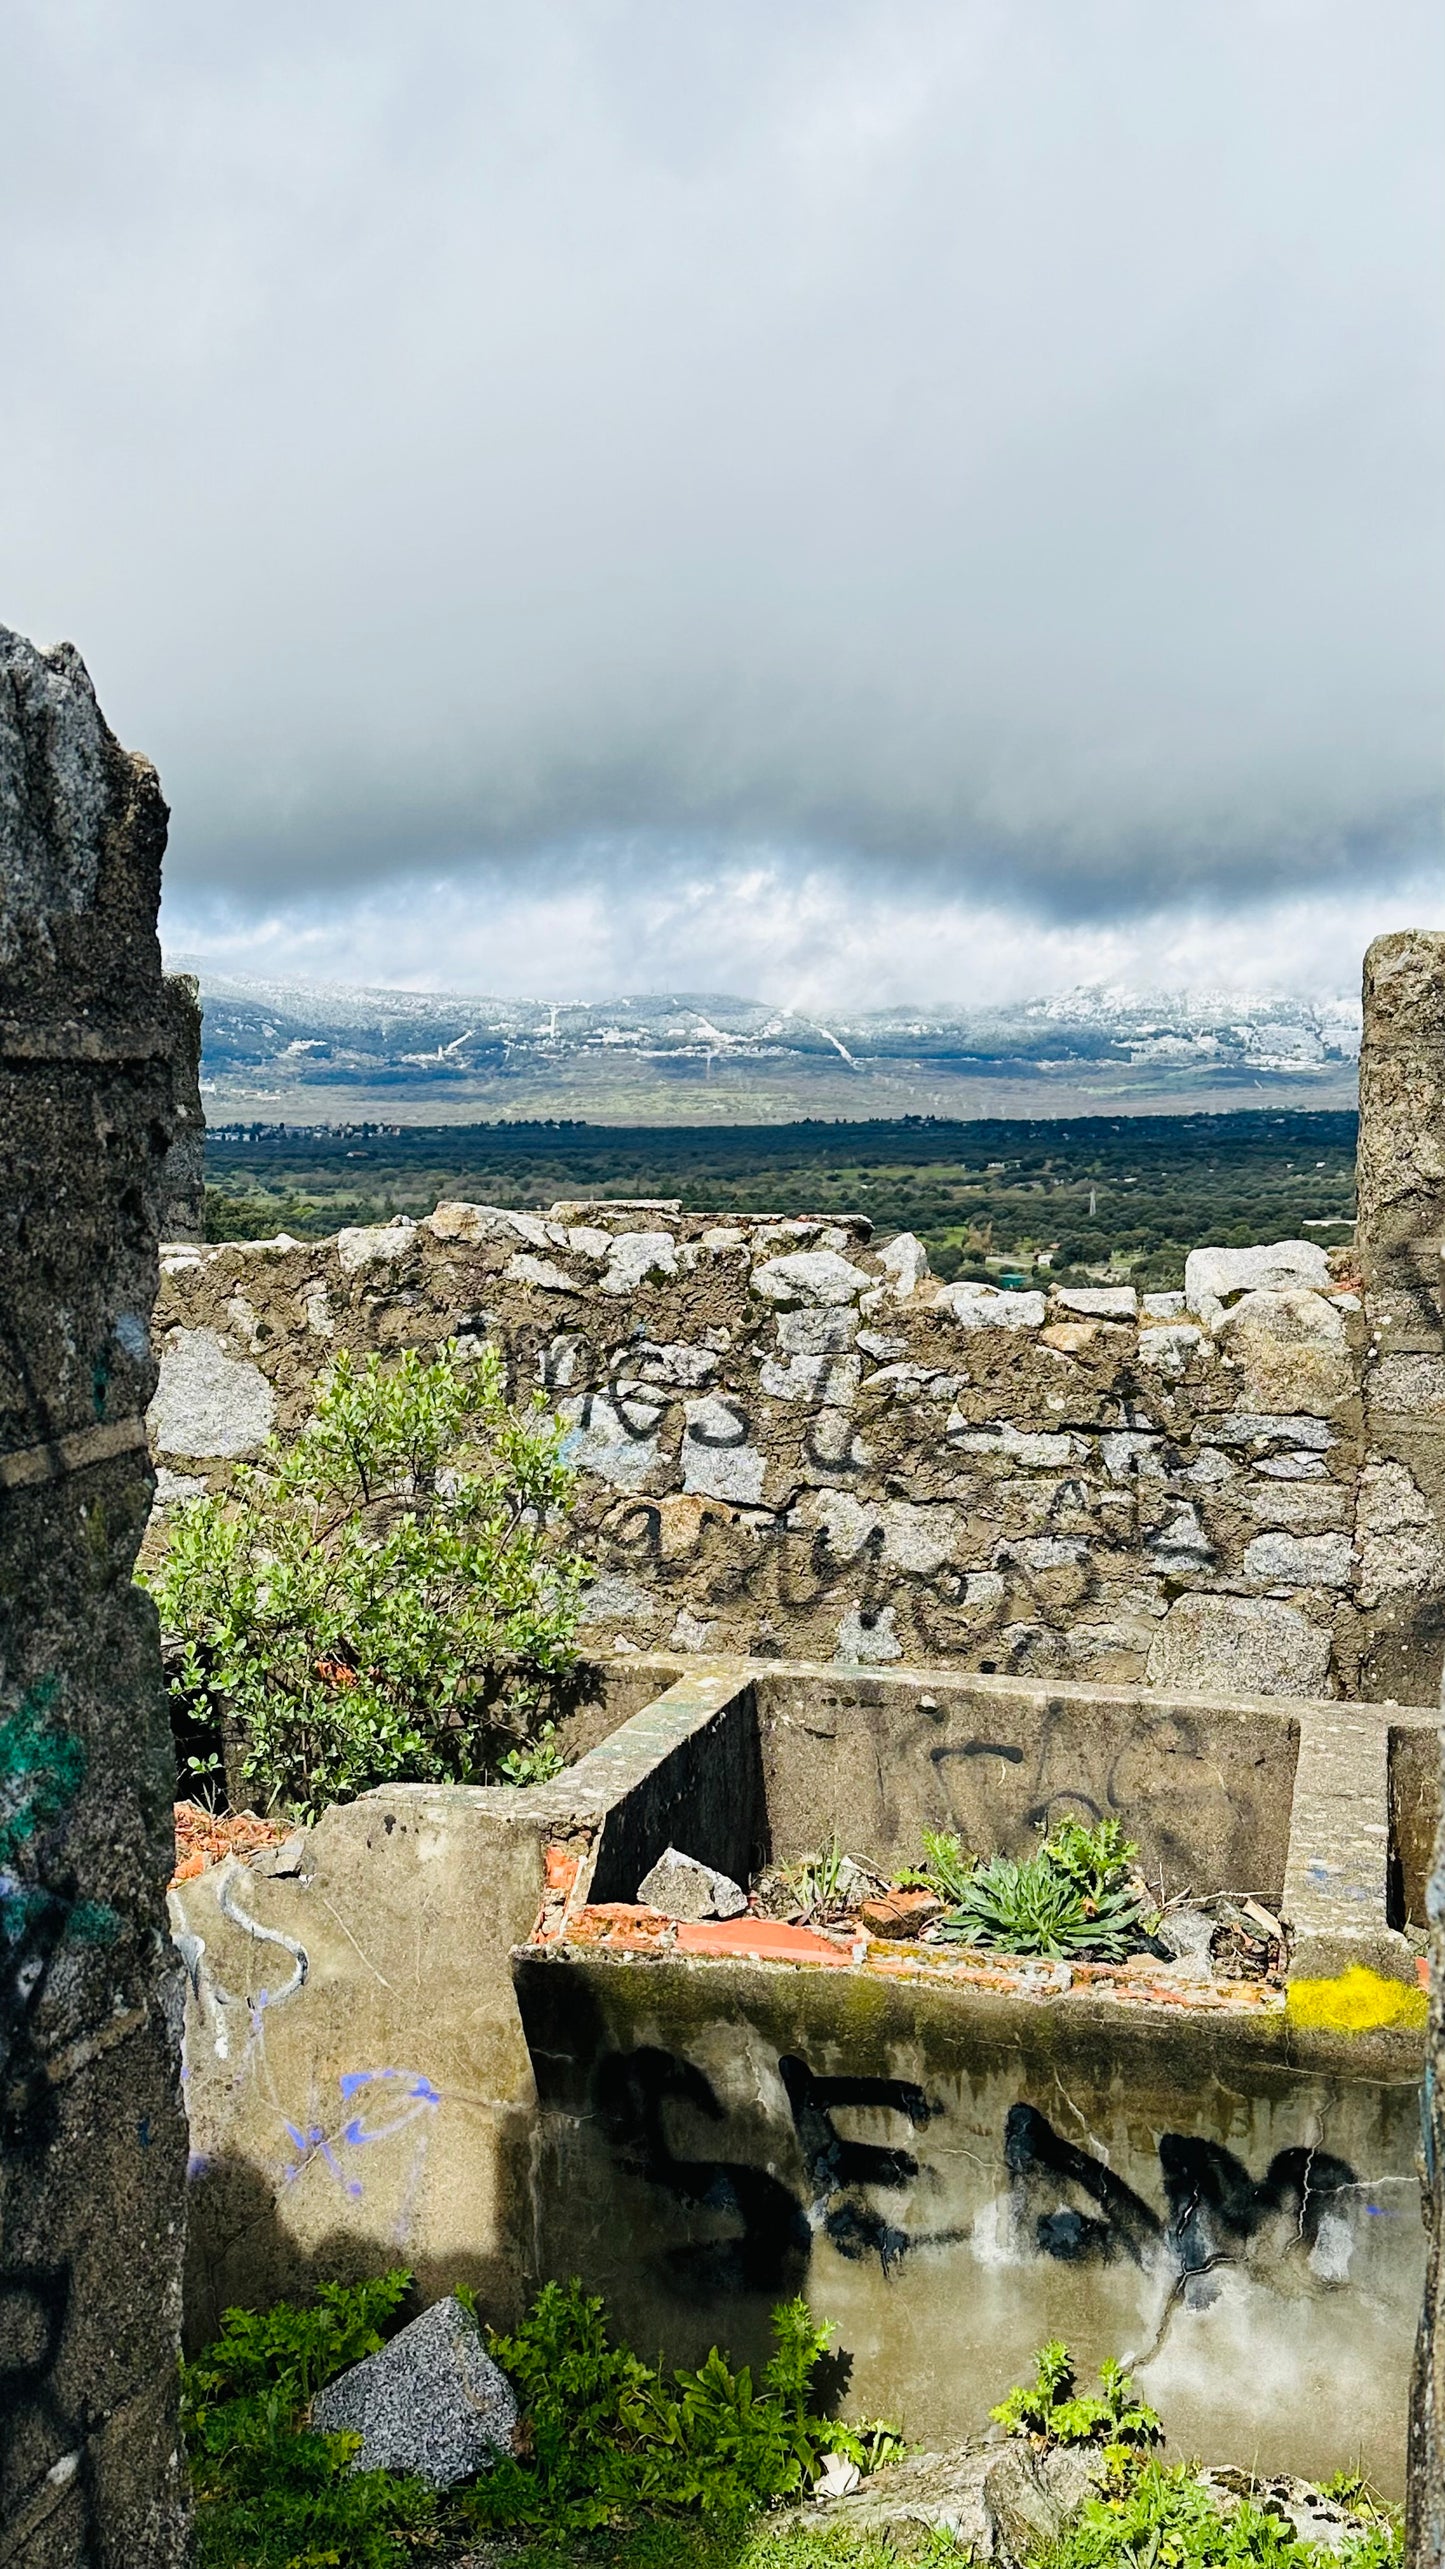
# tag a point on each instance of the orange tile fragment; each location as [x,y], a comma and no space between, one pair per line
[761,1940]
[561,1868]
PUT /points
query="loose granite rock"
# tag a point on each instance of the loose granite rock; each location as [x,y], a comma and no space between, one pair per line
[431,2402]
[682,1887]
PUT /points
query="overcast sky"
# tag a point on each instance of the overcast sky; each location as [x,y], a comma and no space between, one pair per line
[810,497]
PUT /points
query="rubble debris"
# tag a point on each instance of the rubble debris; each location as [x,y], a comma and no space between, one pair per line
[204,1838]
[900,1913]
[681,1886]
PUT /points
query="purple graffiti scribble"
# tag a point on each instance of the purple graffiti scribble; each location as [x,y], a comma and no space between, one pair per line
[418,2094]
[315,2139]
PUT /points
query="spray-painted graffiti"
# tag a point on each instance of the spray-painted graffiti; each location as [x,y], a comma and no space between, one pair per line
[924,1579]
[42,1914]
[1055,2200]
[376,2109]
[1216,2212]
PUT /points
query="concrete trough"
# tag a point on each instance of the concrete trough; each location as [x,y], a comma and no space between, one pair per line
[443,2033]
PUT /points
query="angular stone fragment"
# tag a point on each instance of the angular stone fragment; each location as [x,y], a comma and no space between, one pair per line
[431,2402]
[818,1276]
[1400,1548]
[683,1887]
[980,1306]
[1293,1350]
[1299,1560]
[1099,1302]
[1170,1346]
[1213,1277]
[207,1401]
[543,1275]
[636,1257]
[1239,1646]
[905,1262]
[717,1460]
[382,1242]
[1188,1934]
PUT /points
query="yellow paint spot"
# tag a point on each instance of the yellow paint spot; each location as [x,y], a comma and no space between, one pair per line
[1356,2002]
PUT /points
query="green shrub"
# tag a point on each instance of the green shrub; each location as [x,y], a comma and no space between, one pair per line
[382,1599]
[608,2439]
[946,1868]
[1165,2517]
[610,2434]
[270,2493]
[1047,2406]
[1074,1897]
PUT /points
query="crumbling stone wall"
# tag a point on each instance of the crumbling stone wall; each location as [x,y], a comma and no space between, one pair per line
[93,2141]
[183,1178]
[793,1441]
[1401,1240]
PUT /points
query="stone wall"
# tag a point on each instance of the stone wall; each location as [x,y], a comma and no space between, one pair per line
[92,2162]
[793,1441]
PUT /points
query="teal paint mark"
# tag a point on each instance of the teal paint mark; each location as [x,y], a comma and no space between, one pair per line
[41,1770]
[100,1383]
[92,1922]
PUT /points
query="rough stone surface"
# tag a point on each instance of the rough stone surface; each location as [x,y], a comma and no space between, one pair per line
[810,1276]
[1000,2502]
[979,1306]
[1292,1347]
[183,1175]
[1241,1646]
[1214,1277]
[681,1887]
[873,1475]
[635,1258]
[1299,1560]
[431,2402]
[92,1102]
[207,1403]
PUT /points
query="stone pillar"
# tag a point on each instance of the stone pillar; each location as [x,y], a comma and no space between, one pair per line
[92,2132]
[183,1181]
[1401,1236]
[1400,1239]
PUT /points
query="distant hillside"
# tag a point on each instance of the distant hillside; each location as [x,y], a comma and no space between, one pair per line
[302,1052]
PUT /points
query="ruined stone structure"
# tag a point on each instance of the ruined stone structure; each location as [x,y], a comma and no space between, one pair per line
[92,2140]
[876,1555]
[433,2026]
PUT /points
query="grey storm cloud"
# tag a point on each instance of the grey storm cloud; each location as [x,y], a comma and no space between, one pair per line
[994,442]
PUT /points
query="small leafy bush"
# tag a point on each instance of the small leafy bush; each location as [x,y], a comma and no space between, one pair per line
[270,2493]
[382,1600]
[1076,1896]
[945,1870]
[1164,2516]
[1049,2409]
[609,2433]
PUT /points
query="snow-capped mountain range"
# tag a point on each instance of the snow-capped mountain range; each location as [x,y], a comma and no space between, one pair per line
[303,1048]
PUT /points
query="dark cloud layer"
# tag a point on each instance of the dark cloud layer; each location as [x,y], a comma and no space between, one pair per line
[961,442]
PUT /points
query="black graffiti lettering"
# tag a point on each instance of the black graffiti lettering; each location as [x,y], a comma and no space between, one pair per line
[836,2166]
[769,2251]
[734,1411]
[1215,2208]
[977,1748]
[1034,2151]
